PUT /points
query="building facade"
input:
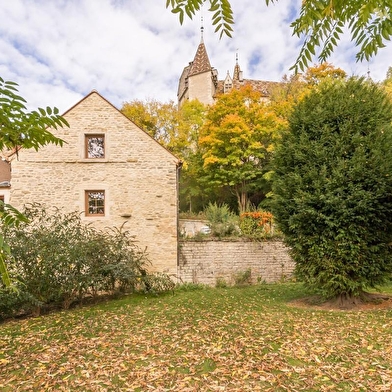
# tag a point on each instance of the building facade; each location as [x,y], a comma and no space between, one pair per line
[110,171]
[199,80]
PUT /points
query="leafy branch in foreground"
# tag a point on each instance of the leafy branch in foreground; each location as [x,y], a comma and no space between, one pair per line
[320,22]
[20,128]
[222,17]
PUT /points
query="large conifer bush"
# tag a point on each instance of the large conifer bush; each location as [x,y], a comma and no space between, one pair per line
[333,188]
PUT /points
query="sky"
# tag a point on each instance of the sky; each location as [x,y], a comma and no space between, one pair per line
[58,51]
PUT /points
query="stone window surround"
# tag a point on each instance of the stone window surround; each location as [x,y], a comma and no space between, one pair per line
[88,136]
[87,204]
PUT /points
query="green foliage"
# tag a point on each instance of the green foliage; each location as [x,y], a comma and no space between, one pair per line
[256,224]
[222,17]
[21,129]
[191,286]
[221,220]
[194,192]
[57,260]
[178,131]
[237,142]
[221,283]
[243,278]
[321,23]
[333,187]
[158,119]
[156,283]
[9,216]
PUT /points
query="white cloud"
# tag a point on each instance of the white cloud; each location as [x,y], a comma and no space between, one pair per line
[59,51]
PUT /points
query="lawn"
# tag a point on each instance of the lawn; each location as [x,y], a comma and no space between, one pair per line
[226,339]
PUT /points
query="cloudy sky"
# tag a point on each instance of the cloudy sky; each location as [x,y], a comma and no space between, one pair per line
[60,50]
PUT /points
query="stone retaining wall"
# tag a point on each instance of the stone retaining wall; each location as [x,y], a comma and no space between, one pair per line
[210,261]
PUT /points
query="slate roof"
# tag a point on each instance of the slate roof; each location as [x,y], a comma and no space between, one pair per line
[201,62]
[263,86]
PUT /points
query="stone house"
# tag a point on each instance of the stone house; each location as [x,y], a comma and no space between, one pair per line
[112,172]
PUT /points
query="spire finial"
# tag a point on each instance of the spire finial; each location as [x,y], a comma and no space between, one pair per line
[236,56]
[202,30]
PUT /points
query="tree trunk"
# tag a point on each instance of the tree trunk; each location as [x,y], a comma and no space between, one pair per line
[242,197]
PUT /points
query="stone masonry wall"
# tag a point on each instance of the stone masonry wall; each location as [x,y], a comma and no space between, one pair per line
[201,87]
[138,175]
[207,261]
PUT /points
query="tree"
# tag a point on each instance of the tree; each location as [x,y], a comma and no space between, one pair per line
[321,24]
[178,131]
[194,194]
[333,187]
[20,128]
[387,83]
[158,119]
[318,73]
[292,89]
[237,142]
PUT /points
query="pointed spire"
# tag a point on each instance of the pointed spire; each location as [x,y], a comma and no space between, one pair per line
[202,31]
[237,74]
[201,62]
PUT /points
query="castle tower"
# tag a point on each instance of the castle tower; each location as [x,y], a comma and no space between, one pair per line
[198,80]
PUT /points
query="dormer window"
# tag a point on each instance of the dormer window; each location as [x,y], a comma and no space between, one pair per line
[228,83]
[95,146]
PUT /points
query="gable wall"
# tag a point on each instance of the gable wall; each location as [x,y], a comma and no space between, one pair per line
[138,175]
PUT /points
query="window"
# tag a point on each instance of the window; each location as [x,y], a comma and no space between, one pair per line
[95,146]
[95,203]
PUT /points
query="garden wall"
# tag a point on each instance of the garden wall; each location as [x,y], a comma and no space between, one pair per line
[210,261]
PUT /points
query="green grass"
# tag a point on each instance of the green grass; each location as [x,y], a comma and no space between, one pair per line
[232,339]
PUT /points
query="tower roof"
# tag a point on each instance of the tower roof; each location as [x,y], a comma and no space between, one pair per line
[237,69]
[201,62]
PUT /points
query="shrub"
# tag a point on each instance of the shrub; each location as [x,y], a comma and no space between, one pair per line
[221,220]
[256,224]
[333,187]
[57,259]
[242,278]
[221,283]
